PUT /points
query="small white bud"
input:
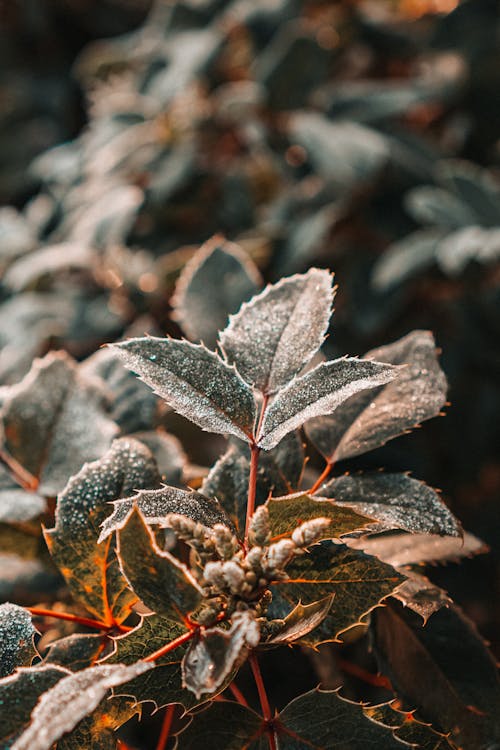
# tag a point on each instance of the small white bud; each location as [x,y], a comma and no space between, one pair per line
[279,554]
[234,576]
[214,576]
[310,532]
[260,533]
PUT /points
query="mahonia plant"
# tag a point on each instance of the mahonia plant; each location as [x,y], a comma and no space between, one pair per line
[184,586]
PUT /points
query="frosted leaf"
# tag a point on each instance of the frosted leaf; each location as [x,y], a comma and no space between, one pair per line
[195,382]
[48,261]
[61,708]
[212,286]
[215,654]
[368,420]
[53,421]
[155,505]
[91,569]
[75,652]
[274,335]
[319,392]
[412,549]
[396,501]
[16,638]
[420,595]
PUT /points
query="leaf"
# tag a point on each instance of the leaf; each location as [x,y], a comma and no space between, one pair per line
[212,286]
[20,516]
[17,634]
[75,652]
[410,549]
[427,668]
[318,392]
[91,569]
[224,726]
[195,382]
[286,513]
[168,453]
[368,420]
[276,334]
[301,621]
[433,205]
[406,258]
[357,581]
[468,244]
[19,694]
[279,472]
[396,501]
[155,505]
[53,421]
[324,720]
[163,583]
[406,727]
[98,730]
[420,595]
[26,581]
[72,698]
[214,654]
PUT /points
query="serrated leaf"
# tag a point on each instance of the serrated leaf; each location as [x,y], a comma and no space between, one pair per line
[286,513]
[276,334]
[72,699]
[91,569]
[395,501]
[212,286]
[155,505]
[427,668]
[214,654]
[279,472]
[163,583]
[420,595]
[17,632]
[75,651]
[195,382]
[409,549]
[53,421]
[302,620]
[358,582]
[19,694]
[224,726]
[369,419]
[318,392]
[407,728]
[323,719]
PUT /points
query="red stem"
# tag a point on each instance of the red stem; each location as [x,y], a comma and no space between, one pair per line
[377,680]
[324,475]
[264,701]
[184,638]
[166,727]
[238,694]
[252,486]
[39,612]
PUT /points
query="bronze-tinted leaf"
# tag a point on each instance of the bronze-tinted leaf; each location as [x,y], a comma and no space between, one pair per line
[54,421]
[286,513]
[302,620]
[224,726]
[407,728]
[212,286]
[275,335]
[76,651]
[369,419]
[421,595]
[358,582]
[163,583]
[395,501]
[410,549]
[17,632]
[91,569]
[195,382]
[70,700]
[320,391]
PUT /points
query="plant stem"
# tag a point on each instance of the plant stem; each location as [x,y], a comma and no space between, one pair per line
[184,638]
[166,727]
[324,475]
[252,486]
[378,680]
[40,612]
[238,694]
[264,701]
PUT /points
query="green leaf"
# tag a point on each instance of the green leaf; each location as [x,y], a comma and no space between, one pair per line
[279,472]
[155,505]
[407,728]
[91,569]
[369,419]
[358,582]
[215,654]
[427,667]
[98,729]
[212,286]
[318,392]
[411,549]
[396,501]
[17,634]
[195,382]
[286,513]
[76,651]
[163,583]
[52,422]
[301,621]
[70,700]
[277,333]
[224,726]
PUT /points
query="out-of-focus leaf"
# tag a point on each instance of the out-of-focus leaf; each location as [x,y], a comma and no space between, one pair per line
[215,654]
[168,453]
[75,652]
[25,581]
[17,647]
[357,581]
[455,695]
[195,382]
[318,392]
[224,726]
[274,335]
[48,261]
[211,287]
[371,418]
[437,207]
[405,258]
[163,583]
[53,422]
[396,501]
[73,698]
[286,513]
[90,568]
[20,515]
[472,243]
[302,620]
[155,505]
[278,473]
[474,186]
[16,235]
[410,549]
